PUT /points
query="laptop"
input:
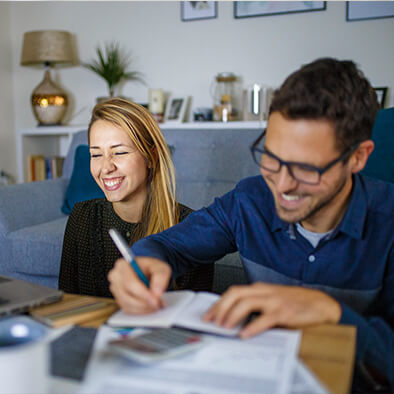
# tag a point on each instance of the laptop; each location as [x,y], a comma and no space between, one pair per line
[17,296]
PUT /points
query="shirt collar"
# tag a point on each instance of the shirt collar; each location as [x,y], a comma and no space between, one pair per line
[353,220]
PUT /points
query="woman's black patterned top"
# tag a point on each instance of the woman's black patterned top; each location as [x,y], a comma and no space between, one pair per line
[89,253]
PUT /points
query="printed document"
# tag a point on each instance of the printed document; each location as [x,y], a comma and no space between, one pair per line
[263,364]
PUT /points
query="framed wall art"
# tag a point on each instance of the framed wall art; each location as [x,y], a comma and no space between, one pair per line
[361,10]
[196,10]
[248,9]
[175,109]
[381,93]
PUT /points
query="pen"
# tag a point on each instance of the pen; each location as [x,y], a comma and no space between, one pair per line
[126,252]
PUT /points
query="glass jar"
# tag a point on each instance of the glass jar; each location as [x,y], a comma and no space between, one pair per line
[224,92]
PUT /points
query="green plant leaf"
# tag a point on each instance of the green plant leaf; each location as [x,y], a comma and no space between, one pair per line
[112,65]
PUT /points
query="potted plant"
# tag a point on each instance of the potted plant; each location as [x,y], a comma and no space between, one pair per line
[112,65]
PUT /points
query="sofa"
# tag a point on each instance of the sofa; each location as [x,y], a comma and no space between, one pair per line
[208,163]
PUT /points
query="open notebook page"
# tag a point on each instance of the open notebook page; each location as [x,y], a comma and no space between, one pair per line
[192,313]
[183,309]
[175,302]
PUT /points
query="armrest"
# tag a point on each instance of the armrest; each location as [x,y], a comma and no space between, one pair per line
[28,204]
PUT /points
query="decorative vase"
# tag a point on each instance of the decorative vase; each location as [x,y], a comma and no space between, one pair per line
[49,102]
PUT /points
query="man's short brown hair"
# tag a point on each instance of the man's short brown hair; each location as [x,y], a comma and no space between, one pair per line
[332,90]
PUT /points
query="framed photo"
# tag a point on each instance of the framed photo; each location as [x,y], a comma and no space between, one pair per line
[361,10]
[381,93]
[195,10]
[247,9]
[175,109]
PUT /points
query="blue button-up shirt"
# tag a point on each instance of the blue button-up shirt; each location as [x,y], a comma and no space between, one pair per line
[354,263]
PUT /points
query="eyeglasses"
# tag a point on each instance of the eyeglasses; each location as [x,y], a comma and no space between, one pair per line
[302,172]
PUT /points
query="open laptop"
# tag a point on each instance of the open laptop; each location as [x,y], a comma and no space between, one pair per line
[17,296]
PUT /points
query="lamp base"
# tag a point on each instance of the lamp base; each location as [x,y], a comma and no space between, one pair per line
[49,102]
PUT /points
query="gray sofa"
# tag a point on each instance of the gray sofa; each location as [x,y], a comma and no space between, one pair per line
[208,163]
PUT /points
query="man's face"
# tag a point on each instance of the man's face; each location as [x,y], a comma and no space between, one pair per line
[311,142]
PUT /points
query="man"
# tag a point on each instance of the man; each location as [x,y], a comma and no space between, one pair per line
[316,238]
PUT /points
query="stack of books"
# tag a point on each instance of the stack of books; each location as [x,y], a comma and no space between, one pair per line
[41,168]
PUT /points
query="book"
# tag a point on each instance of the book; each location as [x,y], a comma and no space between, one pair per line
[183,308]
[74,310]
[41,168]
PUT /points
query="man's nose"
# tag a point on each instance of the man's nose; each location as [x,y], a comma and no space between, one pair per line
[285,182]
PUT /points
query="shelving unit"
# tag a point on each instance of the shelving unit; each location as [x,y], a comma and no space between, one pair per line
[55,140]
[44,140]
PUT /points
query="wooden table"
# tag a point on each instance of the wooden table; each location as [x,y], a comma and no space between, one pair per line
[328,350]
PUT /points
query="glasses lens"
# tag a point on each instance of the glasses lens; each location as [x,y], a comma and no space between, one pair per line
[304,174]
[269,162]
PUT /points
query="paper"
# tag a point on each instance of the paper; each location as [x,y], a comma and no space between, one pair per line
[263,364]
[304,382]
[183,309]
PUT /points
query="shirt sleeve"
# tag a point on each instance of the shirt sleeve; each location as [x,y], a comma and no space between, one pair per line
[375,337]
[203,237]
[68,275]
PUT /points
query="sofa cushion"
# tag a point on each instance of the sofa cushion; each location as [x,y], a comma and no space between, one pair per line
[380,164]
[37,250]
[82,185]
[79,138]
[198,194]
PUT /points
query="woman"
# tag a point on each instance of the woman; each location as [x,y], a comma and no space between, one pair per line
[131,163]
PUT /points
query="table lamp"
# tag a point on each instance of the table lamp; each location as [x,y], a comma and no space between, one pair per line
[47,48]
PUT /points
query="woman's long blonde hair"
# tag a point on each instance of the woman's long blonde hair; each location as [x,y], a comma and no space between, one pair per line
[161,209]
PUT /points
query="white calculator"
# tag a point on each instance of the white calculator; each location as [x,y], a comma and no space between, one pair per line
[158,344]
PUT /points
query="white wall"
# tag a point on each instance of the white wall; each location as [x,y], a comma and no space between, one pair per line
[7,140]
[183,57]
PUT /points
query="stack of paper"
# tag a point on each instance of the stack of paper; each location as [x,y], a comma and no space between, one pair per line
[266,363]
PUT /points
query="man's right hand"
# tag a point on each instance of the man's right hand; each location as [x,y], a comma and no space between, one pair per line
[130,293]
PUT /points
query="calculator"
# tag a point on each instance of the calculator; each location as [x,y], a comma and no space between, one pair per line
[159,344]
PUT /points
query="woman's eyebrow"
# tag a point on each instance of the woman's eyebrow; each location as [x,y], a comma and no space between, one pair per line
[112,146]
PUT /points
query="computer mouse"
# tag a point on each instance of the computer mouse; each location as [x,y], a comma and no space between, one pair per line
[16,330]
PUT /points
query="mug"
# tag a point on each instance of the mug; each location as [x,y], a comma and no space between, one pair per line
[24,356]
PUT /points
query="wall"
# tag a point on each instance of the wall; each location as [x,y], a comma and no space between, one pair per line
[182,57]
[7,140]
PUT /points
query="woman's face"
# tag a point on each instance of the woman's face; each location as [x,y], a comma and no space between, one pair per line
[116,165]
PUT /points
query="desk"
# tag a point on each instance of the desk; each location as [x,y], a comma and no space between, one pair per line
[328,350]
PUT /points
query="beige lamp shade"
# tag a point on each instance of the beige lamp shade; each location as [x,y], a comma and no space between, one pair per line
[46,46]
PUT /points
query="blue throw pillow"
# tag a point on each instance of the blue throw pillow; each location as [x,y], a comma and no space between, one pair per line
[82,185]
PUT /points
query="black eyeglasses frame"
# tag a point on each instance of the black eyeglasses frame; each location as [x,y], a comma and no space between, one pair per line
[288,164]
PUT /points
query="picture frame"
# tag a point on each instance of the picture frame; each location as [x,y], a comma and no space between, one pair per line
[381,92]
[364,10]
[175,109]
[197,10]
[249,9]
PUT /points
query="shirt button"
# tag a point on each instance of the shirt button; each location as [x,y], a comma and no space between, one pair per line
[128,234]
[311,258]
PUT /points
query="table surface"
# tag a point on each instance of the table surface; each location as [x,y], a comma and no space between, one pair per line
[328,350]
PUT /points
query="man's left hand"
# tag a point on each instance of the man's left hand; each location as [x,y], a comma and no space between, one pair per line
[284,306]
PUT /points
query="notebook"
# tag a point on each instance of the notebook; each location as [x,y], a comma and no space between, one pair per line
[184,308]
[16,296]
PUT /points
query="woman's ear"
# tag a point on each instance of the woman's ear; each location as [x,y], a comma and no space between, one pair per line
[361,154]
[155,154]
[155,158]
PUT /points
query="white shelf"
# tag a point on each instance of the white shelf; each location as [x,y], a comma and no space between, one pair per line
[214,125]
[51,130]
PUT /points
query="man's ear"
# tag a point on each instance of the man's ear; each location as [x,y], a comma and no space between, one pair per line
[360,156]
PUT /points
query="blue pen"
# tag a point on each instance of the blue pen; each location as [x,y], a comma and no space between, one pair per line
[126,252]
